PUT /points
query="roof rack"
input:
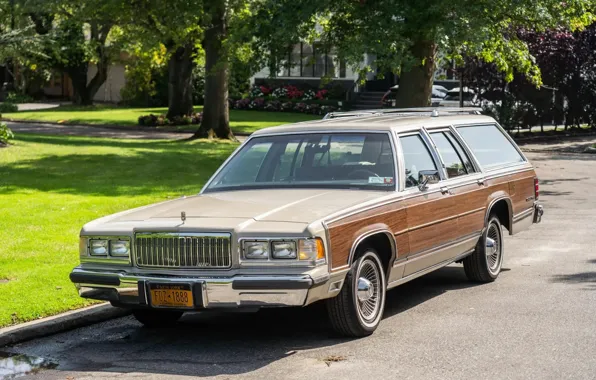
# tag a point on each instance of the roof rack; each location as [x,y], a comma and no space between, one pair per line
[408,112]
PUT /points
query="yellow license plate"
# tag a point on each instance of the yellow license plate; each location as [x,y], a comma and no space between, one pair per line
[171,295]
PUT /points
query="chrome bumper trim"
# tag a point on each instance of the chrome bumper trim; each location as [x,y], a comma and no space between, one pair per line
[210,292]
[538,212]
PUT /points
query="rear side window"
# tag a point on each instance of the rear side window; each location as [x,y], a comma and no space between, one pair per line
[490,146]
[454,158]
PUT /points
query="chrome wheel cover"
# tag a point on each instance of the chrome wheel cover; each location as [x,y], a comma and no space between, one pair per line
[493,249]
[368,291]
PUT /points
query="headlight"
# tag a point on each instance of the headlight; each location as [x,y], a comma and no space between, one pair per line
[311,249]
[119,248]
[98,247]
[283,250]
[256,250]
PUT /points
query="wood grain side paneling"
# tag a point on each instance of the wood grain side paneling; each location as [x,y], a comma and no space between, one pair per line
[343,233]
[431,219]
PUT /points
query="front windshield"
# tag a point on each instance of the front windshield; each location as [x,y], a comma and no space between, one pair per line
[316,160]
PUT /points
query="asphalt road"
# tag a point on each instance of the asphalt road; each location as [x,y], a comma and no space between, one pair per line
[537,321]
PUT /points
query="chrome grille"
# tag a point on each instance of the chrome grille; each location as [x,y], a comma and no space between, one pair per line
[184,251]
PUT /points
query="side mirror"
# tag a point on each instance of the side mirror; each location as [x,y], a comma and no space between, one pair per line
[427,177]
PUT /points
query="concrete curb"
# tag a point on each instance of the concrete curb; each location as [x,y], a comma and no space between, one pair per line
[111,126]
[59,323]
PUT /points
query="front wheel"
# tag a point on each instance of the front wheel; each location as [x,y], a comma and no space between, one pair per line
[156,318]
[484,265]
[358,308]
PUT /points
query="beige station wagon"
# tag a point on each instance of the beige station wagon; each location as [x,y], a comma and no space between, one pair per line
[338,210]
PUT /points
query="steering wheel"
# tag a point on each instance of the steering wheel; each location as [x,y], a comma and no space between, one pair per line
[366,172]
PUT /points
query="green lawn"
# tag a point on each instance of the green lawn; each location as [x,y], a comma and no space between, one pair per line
[51,185]
[240,121]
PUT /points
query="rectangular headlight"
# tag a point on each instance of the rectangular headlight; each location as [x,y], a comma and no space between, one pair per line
[119,248]
[283,249]
[311,249]
[256,250]
[98,247]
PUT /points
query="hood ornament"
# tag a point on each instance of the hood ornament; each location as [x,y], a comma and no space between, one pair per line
[183,216]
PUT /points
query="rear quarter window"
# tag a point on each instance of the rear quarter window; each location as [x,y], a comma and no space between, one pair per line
[490,146]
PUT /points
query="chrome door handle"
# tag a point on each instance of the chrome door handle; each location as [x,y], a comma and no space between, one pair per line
[481,182]
[445,190]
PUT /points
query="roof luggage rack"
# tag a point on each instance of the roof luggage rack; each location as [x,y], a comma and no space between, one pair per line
[420,111]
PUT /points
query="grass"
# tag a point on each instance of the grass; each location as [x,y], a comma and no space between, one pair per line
[51,185]
[240,121]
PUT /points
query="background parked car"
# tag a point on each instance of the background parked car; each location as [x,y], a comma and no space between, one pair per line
[471,99]
[438,93]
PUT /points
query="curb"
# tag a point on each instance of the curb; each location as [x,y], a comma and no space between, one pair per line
[59,323]
[110,126]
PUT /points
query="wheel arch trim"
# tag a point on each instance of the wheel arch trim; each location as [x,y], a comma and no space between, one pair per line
[492,203]
[377,231]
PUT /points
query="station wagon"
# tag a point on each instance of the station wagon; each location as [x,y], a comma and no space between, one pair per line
[337,210]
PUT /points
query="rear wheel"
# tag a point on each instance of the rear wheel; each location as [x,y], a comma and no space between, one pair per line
[357,310]
[156,318]
[484,265]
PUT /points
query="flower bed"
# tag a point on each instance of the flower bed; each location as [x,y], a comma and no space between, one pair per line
[287,99]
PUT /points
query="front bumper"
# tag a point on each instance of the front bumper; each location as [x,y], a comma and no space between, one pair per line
[131,290]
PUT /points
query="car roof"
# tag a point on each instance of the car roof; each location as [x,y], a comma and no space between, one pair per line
[376,123]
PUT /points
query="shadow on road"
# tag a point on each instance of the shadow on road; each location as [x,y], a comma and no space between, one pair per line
[210,343]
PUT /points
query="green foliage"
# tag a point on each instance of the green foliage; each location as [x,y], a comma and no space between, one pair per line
[146,77]
[391,30]
[5,134]
[15,97]
[8,107]
[152,120]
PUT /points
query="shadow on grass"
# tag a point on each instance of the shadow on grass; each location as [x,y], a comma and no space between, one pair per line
[135,168]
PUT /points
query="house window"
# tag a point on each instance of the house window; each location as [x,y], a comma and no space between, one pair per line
[318,60]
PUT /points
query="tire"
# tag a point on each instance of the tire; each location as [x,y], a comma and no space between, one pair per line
[484,265]
[156,318]
[357,315]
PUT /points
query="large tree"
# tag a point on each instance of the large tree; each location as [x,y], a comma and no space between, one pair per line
[176,25]
[79,35]
[406,36]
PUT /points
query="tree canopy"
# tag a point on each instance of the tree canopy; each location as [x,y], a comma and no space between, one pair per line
[405,36]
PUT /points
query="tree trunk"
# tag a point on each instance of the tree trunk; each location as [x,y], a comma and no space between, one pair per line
[83,92]
[415,83]
[216,116]
[78,76]
[180,82]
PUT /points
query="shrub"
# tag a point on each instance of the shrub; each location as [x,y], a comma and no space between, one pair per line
[5,134]
[300,107]
[293,92]
[15,97]
[327,109]
[257,104]
[336,91]
[161,120]
[280,93]
[315,109]
[148,120]
[309,95]
[8,107]
[287,106]
[273,105]
[242,104]
[321,94]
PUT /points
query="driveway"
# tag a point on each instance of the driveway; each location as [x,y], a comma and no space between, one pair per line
[537,321]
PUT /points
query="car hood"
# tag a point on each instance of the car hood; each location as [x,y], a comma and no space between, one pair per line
[235,210]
